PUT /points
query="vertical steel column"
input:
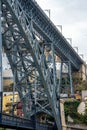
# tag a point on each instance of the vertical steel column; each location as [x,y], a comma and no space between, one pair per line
[13,95]
[56,97]
[60,79]
[35,87]
[1,79]
[14,77]
[70,77]
[31,22]
[71,86]
[54,68]
[35,100]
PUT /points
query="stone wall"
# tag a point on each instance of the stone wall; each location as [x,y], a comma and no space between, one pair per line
[76,127]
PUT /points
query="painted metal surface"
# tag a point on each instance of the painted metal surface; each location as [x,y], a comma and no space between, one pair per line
[44,26]
[34,79]
[21,44]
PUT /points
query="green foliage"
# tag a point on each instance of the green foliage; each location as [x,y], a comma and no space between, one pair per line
[79,84]
[70,108]
[85,117]
[65,81]
[77,80]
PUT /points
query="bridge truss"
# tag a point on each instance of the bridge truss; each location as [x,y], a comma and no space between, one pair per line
[25,39]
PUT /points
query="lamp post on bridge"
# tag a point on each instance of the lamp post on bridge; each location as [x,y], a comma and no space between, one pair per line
[69,40]
[76,48]
[81,55]
[59,27]
[49,12]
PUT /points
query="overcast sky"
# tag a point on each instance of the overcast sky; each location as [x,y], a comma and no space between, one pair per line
[72,15]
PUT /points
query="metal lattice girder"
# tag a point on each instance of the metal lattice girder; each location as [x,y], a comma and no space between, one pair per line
[28,62]
[65,79]
[49,32]
[20,58]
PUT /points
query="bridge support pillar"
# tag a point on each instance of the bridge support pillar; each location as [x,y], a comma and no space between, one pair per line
[70,75]
[1,83]
[65,80]
[59,123]
[64,126]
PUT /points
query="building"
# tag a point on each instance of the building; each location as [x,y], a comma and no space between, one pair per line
[82,74]
[8,102]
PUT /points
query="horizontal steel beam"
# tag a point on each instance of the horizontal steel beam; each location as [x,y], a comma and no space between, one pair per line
[44,26]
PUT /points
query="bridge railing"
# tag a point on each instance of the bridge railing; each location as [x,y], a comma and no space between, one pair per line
[19,122]
[41,126]
[16,121]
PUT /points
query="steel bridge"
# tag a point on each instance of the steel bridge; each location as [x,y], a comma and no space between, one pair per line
[15,122]
[25,33]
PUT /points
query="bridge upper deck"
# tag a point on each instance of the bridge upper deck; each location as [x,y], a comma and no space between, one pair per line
[44,26]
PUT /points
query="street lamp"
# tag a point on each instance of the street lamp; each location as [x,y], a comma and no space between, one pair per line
[49,12]
[81,55]
[60,28]
[76,48]
[69,40]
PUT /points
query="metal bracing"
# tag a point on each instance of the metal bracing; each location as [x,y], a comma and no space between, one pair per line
[65,85]
[32,75]
[46,28]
